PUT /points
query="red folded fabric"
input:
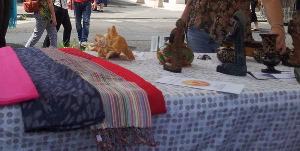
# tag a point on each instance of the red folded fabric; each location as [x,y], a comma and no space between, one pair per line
[156,99]
[15,84]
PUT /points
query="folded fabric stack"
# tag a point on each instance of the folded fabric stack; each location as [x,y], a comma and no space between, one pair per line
[70,89]
[126,105]
[66,100]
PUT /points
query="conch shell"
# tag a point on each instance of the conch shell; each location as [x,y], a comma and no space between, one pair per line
[112,45]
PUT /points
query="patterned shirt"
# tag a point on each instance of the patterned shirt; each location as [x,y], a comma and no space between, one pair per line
[215,17]
[44,10]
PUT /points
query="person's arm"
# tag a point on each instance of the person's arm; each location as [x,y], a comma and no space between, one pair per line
[94,4]
[273,10]
[51,7]
[186,11]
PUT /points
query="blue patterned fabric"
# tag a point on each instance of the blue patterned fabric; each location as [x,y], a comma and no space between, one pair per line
[66,101]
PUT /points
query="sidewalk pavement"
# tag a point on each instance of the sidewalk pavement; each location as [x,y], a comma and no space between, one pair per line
[129,9]
[115,10]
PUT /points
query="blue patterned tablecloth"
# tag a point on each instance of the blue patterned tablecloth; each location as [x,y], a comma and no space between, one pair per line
[264,117]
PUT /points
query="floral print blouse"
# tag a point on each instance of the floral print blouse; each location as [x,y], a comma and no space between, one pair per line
[215,17]
[44,10]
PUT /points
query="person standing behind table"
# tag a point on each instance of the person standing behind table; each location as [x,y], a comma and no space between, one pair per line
[253,15]
[62,18]
[82,11]
[45,19]
[8,18]
[209,21]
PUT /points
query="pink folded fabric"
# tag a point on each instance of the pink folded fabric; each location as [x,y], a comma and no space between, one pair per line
[15,84]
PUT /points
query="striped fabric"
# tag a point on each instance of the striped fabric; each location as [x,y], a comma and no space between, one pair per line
[126,105]
[155,96]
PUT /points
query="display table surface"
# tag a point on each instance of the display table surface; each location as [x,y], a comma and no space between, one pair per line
[265,116]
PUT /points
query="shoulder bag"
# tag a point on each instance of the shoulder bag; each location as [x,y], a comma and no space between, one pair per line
[31,6]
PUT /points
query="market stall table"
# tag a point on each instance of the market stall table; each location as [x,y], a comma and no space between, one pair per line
[264,116]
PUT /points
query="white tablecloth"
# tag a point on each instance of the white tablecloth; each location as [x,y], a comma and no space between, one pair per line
[265,116]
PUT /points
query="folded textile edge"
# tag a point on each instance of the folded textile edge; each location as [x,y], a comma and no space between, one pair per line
[127,110]
[156,99]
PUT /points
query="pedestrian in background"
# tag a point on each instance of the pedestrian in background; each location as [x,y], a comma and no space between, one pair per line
[62,18]
[82,12]
[101,4]
[45,19]
[254,20]
[209,21]
[8,18]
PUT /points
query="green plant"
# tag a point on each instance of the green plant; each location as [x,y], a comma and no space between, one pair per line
[23,17]
[63,45]
[73,44]
[60,45]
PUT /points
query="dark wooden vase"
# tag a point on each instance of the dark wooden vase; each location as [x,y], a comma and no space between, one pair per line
[271,56]
[257,55]
[226,55]
[252,49]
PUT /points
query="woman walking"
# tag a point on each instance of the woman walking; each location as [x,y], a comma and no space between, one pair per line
[45,19]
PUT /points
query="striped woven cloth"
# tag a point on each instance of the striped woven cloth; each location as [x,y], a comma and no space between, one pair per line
[127,110]
[155,96]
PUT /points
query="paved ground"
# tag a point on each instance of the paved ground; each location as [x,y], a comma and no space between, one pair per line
[134,21]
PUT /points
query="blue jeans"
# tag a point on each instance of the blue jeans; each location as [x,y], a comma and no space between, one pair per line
[199,41]
[82,11]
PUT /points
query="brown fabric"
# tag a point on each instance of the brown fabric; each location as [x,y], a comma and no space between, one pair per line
[215,17]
